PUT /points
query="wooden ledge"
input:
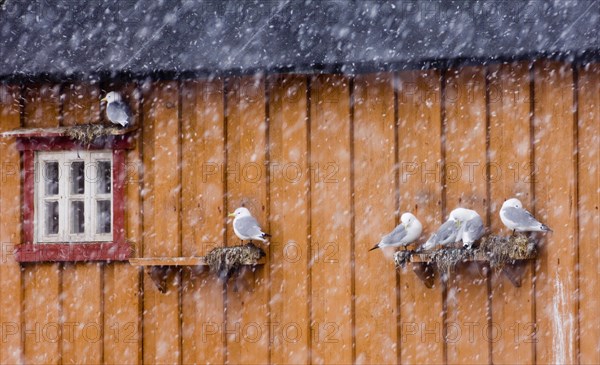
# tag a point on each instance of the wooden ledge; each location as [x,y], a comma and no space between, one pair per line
[179,261]
[63,131]
[159,268]
[506,254]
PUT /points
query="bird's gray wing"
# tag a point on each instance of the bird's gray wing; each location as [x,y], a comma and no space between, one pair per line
[446,233]
[395,236]
[118,112]
[520,217]
[474,228]
[248,226]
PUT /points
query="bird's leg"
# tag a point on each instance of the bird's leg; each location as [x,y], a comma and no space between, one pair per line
[513,234]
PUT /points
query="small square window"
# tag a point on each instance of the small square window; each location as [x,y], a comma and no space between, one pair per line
[73,197]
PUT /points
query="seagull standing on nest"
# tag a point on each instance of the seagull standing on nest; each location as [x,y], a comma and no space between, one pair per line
[471,226]
[404,234]
[518,219]
[116,110]
[447,234]
[246,227]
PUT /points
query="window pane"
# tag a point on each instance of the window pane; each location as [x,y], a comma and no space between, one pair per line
[51,217]
[103,216]
[77,217]
[77,180]
[50,176]
[103,185]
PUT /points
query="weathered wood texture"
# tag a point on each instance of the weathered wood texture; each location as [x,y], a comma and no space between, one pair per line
[290,249]
[509,169]
[420,191]
[374,184]
[465,179]
[326,164]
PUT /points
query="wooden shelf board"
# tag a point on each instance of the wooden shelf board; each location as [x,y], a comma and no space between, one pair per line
[60,131]
[159,268]
[424,264]
[178,261]
[426,258]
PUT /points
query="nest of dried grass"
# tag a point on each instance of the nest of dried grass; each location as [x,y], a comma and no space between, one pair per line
[498,251]
[224,261]
[87,133]
[402,257]
[502,250]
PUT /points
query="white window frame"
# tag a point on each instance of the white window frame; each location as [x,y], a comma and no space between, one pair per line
[64,197]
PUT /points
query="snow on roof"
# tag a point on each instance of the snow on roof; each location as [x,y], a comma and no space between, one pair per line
[89,37]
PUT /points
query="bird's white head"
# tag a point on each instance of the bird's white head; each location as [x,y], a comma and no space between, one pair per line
[456,214]
[410,221]
[240,212]
[112,97]
[407,219]
[512,203]
[462,214]
[459,216]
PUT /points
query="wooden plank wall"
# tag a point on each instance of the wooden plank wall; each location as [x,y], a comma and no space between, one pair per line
[326,163]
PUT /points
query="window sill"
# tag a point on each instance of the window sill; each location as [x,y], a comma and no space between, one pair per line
[73,252]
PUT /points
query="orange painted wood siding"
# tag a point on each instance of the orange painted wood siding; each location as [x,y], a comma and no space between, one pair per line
[327,164]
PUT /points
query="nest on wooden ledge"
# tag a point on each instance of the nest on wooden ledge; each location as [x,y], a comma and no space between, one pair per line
[87,133]
[224,261]
[497,250]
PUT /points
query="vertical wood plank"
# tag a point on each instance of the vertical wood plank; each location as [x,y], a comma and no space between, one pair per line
[81,103]
[555,204]
[122,320]
[419,158]
[510,168]
[203,159]
[589,213]
[82,320]
[10,228]
[41,282]
[289,219]
[374,187]
[42,105]
[465,177]
[41,308]
[82,313]
[122,335]
[247,292]
[331,322]
[161,224]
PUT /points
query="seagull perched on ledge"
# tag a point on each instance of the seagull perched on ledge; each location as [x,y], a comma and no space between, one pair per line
[404,234]
[518,219]
[471,226]
[246,227]
[446,234]
[116,110]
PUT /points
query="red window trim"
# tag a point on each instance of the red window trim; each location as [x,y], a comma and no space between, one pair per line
[116,250]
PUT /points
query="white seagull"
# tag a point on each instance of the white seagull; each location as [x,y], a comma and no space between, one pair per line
[445,235]
[246,227]
[404,234]
[116,110]
[518,219]
[470,226]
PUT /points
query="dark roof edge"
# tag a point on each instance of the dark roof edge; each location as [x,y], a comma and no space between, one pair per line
[580,57]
